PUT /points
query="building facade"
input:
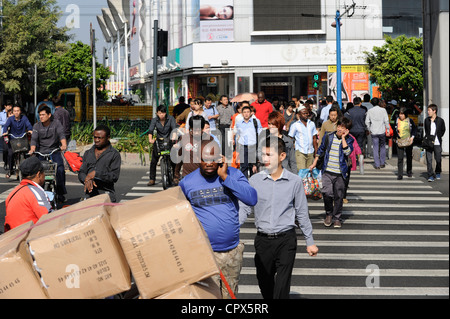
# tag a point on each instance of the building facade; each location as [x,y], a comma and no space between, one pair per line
[229,47]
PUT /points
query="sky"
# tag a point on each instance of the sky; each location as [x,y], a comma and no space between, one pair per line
[84,11]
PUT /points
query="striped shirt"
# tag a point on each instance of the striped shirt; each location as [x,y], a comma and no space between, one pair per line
[333,165]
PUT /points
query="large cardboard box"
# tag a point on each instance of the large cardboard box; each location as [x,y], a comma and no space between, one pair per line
[205,289]
[76,253]
[17,279]
[163,241]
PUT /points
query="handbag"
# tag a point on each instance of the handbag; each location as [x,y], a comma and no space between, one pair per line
[428,142]
[311,186]
[404,142]
[389,131]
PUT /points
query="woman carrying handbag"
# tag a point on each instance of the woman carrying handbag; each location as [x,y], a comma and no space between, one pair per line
[404,133]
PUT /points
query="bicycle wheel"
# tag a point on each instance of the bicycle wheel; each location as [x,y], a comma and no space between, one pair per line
[20,159]
[164,173]
[170,171]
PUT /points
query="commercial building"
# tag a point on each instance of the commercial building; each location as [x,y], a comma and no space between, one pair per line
[253,45]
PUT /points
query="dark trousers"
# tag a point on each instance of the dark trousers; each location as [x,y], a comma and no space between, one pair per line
[360,137]
[5,151]
[223,129]
[333,192]
[401,151]
[274,261]
[247,157]
[10,158]
[437,150]
[154,163]
[347,182]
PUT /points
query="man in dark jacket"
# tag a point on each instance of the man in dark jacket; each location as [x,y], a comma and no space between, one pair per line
[101,166]
[434,130]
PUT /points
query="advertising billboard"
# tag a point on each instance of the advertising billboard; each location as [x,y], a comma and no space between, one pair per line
[216,20]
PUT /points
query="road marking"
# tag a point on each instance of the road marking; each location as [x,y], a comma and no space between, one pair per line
[381,222]
[313,212]
[355,291]
[358,272]
[148,188]
[5,194]
[399,198]
[355,192]
[390,244]
[369,232]
[363,206]
[377,257]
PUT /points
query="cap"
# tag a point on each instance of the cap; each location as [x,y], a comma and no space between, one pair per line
[31,166]
[300,108]
[393,102]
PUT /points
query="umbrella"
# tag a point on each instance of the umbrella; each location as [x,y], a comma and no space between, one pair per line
[245,97]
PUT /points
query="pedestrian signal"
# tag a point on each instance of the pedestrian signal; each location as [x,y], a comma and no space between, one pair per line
[316,81]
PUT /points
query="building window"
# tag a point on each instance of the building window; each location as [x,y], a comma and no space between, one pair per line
[287,15]
[402,18]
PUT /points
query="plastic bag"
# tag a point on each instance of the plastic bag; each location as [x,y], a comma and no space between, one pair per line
[311,183]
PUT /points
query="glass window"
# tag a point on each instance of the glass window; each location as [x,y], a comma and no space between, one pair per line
[402,18]
[287,15]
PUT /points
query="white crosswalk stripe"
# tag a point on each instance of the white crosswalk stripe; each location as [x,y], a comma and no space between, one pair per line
[401,227]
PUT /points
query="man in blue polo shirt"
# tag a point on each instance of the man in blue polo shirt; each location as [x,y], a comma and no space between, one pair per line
[214,191]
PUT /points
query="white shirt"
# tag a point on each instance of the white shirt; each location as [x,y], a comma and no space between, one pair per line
[433,132]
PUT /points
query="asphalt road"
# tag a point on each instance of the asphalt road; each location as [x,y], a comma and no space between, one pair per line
[393,244]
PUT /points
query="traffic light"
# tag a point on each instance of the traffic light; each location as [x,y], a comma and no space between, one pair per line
[316,81]
[163,38]
[31,74]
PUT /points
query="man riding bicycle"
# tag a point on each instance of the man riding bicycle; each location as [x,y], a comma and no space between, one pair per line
[17,126]
[48,135]
[165,126]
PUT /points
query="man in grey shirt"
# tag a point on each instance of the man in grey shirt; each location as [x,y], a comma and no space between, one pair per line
[48,135]
[226,111]
[281,206]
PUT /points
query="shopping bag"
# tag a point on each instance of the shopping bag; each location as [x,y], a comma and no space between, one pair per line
[311,183]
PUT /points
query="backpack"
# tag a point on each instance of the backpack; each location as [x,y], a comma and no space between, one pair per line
[74,160]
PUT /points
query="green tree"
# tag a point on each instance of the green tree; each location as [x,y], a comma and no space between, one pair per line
[29,28]
[73,68]
[397,67]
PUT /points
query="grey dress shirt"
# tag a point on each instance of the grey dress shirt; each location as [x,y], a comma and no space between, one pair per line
[280,204]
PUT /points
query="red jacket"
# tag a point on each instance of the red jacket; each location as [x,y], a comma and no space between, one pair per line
[262,112]
[27,202]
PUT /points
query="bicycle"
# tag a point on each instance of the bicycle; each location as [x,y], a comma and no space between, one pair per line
[20,146]
[164,146]
[50,175]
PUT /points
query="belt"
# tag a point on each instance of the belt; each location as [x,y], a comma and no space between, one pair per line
[275,235]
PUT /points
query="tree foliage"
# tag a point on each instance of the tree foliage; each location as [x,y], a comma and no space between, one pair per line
[397,67]
[29,28]
[73,68]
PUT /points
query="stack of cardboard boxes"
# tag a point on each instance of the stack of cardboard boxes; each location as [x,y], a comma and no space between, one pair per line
[95,248]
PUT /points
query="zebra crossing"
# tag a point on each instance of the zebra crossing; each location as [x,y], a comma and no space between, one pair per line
[394,242]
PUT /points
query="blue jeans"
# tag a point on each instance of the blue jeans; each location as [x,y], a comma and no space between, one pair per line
[379,149]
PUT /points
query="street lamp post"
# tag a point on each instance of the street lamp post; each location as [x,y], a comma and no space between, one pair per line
[338,59]
[337,24]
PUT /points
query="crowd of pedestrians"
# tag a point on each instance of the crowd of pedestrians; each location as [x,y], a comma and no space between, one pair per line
[271,143]
[234,160]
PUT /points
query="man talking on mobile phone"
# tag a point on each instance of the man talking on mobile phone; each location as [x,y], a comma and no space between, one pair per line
[214,191]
